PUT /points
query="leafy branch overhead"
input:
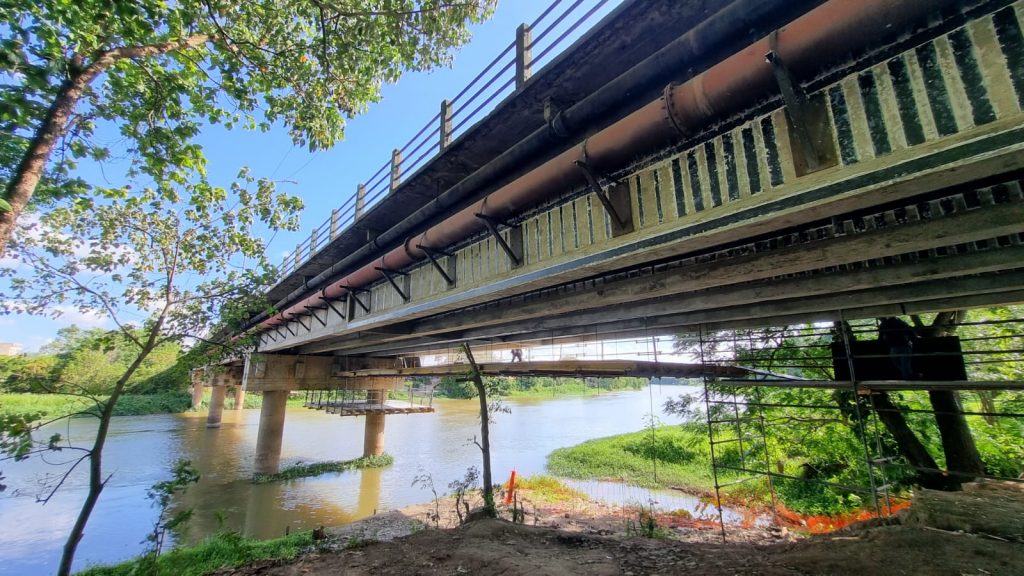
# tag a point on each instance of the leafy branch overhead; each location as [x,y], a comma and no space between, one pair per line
[159,71]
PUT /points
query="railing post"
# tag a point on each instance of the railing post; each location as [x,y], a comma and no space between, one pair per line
[298,256]
[313,237]
[360,201]
[524,55]
[334,223]
[446,124]
[396,169]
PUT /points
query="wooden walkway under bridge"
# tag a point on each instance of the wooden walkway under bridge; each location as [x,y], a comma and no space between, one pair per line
[338,400]
[564,368]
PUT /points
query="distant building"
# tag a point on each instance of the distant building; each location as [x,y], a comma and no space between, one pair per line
[10,348]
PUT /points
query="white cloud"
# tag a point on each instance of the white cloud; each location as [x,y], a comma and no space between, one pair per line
[86,319]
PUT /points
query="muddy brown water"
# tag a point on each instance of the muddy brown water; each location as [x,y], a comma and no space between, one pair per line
[141,450]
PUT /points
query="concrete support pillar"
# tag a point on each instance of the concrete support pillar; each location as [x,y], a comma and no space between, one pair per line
[197,395]
[373,437]
[239,398]
[271,432]
[216,406]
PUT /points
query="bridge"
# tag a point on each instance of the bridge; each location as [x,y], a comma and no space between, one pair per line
[683,164]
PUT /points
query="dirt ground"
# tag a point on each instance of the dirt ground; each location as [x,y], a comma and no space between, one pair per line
[973,532]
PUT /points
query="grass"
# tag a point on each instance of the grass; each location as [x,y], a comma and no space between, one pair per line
[224,550]
[544,488]
[316,469]
[56,405]
[628,458]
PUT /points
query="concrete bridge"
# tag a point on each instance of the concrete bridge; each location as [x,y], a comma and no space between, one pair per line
[713,164]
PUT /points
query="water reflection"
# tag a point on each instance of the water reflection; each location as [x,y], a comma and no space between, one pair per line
[142,450]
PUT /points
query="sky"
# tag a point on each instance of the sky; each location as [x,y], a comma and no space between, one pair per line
[327,178]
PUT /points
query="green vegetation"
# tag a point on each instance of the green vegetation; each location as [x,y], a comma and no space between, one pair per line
[537,386]
[87,361]
[815,440]
[316,469]
[56,405]
[682,453]
[545,488]
[224,550]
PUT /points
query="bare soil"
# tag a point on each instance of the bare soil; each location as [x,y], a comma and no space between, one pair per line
[576,538]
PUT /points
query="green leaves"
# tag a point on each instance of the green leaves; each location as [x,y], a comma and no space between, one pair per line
[160,71]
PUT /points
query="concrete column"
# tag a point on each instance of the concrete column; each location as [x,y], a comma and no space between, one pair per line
[373,435]
[239,398]
[271,431]
[216,406]
[373,438]
[197,395]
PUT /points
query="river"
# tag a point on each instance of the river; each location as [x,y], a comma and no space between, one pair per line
[141,450]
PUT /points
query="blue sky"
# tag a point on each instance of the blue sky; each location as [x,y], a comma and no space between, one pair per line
[325,179]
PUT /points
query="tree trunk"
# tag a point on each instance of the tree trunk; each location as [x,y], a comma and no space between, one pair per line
[33,164]
[988,405]
[962,457]
[928,474]
[96,481]
[485,442]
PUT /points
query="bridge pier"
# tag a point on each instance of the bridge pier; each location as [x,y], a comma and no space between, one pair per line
[239,398]
[216,406]
[197,394]
[373,434]
[271,432]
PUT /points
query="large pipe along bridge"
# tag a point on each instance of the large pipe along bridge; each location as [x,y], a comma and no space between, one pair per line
[860,156]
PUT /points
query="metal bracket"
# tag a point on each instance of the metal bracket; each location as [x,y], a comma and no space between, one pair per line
[289,328]
[620,222]
[271,335]
[330,304]
[492,227]
[312,312]
[391,280]
[355,296]
[433,254]
[795,98]
[298,318]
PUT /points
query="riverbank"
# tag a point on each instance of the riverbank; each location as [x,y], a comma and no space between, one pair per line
[678,457]
[49,406]
[927,540]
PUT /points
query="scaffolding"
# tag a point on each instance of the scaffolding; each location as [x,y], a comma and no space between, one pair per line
[859,379]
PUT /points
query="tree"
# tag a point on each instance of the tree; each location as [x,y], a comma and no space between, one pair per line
[484,444]
[183,260]
[158,71]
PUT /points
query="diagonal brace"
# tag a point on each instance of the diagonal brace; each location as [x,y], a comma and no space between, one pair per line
[312,312]
[330,304]
[390,275]
[433,254]
[355,296]
[596,188]
[796,105]
[492,227]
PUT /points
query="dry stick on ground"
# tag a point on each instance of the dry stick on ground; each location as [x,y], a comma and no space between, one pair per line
[484,443]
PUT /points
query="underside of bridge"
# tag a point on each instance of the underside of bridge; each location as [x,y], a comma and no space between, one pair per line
[804,161]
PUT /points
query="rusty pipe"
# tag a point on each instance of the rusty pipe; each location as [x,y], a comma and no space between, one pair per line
[819,38]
